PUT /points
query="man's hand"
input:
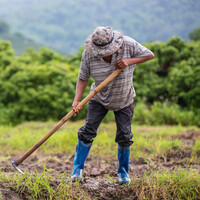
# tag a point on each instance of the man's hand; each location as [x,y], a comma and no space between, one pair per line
[80,88]
[122,63]
[74,107]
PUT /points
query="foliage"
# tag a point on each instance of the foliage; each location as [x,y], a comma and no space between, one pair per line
[36,86]
[64,25]
[41,85]
[184,79]
[41,92]
[165,113]
[6,54]
[174,74]
[195,34]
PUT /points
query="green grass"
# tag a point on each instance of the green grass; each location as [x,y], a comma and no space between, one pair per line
[149,141]
[44,186]
[153,147]
[196,147]
[181,184]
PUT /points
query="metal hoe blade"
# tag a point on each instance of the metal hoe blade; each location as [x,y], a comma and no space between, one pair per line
[14,164]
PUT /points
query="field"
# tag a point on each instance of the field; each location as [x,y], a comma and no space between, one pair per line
[164,163]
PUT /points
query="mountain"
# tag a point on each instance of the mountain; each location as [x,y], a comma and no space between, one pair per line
[64,25]
[20,42]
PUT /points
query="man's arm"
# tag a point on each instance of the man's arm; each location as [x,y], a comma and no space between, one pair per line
[80,88]
[122,63]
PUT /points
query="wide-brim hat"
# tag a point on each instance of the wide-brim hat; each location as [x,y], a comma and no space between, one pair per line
[103,41]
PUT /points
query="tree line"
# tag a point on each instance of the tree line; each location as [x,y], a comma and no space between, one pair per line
[41,85]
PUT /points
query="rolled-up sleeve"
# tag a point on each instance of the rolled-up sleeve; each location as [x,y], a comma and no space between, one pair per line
[84,72]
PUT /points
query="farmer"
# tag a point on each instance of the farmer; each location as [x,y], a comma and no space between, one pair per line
[106,50]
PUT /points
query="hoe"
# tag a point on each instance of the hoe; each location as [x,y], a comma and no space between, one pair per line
[17,162]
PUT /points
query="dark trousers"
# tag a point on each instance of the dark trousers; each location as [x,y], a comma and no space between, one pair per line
[96,113]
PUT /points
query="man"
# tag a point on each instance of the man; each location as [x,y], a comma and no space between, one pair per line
[106,50]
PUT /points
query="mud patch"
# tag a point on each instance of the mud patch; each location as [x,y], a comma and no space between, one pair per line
[177,153]
[105,189]
[8,193]
[100,175]
[188,135]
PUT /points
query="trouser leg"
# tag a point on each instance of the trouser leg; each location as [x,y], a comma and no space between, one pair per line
[123,138]
[123,120]
[96,112]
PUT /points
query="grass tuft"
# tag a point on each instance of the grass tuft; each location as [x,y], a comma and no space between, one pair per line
[150,143]
[44,186]
[180,184]
[196,148]
[183,184]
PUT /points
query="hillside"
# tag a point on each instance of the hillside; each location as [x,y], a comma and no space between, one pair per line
[20,42]
[64,25]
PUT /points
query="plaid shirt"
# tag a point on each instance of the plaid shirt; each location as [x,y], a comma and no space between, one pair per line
[119,93]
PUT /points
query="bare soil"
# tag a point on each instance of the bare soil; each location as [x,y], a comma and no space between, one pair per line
[97,171]
[97,181]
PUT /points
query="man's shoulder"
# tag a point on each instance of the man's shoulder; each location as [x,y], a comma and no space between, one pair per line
[85,55]
[128,40]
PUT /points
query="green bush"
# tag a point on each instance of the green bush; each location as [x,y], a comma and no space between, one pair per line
[41,85]
[6,54]
[195,34]
[37,92]
[184,84]
[164,113]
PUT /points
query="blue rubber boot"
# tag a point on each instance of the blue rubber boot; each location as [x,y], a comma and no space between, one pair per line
[80,156]
[123,157]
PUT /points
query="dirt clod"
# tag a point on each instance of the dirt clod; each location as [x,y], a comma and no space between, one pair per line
[188,135]
[100,176]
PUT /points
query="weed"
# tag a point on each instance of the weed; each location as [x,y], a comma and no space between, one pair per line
[148,141]
[162,146]
[110,179]
[196,148]
[182,184]
[4,158]
[44,186]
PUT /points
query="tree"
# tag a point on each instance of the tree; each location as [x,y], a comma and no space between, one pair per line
[4,27]
[195,34]
[7,54]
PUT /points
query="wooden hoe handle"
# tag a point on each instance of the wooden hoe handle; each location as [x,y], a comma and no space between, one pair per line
[67,117]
